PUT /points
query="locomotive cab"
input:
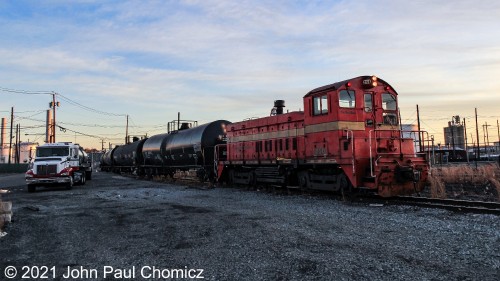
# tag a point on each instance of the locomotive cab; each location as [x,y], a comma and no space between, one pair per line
[352,131]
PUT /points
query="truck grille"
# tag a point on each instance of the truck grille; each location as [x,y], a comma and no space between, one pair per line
[46,170]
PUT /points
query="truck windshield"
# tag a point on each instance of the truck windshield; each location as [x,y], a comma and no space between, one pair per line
[52,151]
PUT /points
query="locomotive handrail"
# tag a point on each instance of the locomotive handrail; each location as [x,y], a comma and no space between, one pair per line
[352,148]
[401,136]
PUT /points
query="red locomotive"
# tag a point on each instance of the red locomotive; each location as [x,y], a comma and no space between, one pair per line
[348,137]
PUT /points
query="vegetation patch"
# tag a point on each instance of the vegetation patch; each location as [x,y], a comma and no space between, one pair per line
[466,182]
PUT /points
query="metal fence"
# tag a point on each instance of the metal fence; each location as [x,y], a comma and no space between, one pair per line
[13,168]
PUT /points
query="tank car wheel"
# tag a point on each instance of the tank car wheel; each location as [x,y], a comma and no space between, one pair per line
[202,175]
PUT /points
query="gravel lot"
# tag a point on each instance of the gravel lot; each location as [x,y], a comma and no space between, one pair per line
[234,234]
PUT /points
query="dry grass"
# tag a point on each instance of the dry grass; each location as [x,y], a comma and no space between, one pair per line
[484,175]
[437,187]
[467,174]
[495,183]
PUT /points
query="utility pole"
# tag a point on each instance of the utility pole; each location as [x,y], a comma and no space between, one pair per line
[102,145]
[487,147]
[126,132]
[498,132]
[53,104]
[452,127]
[54,118]
[11,125]
[18,143]
[478,153]
[466,144]
[419,134]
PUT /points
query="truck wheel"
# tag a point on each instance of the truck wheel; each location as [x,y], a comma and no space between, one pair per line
[88,175]
[31,188]
[83,178]
[69,185]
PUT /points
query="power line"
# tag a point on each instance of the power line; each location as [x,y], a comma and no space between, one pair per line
[24,92]
[80,133]
[88,108]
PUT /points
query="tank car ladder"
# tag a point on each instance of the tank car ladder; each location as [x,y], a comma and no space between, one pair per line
[220,157]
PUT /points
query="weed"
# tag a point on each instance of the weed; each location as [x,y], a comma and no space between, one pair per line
[437,187]
[463,175]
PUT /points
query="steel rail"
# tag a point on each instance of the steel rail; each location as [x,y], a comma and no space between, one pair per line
[465,206]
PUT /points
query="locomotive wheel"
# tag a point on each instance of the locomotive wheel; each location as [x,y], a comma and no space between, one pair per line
[252,181]
[303,180]
[345,187]
[230,178]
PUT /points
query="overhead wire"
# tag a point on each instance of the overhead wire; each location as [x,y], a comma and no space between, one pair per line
[88,108]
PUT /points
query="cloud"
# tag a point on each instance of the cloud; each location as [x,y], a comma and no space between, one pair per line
[224,58]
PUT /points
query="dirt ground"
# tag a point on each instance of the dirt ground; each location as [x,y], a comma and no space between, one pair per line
[119,228]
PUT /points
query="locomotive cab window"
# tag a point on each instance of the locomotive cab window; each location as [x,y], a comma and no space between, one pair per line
[347,99]
[390,107]
[368,102]
[320,105]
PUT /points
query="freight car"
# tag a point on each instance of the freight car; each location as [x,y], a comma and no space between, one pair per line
[128,158]
[107,160]
[348,138]
[184,149]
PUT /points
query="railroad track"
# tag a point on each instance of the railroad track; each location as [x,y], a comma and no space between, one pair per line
[448,204]
[464,206]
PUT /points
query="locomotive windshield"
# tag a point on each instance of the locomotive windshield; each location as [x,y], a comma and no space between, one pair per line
[388,102]
[52,151]
[347,99]
[390,107]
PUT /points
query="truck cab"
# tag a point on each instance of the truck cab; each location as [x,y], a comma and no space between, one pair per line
[62,163]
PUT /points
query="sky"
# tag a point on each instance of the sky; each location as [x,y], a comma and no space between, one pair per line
[230,60]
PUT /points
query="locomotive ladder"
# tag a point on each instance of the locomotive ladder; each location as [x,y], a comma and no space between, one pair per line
[218,151]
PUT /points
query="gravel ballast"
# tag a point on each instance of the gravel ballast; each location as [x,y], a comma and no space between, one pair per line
[233,234]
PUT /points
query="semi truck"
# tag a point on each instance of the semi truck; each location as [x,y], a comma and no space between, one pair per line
[62,163]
